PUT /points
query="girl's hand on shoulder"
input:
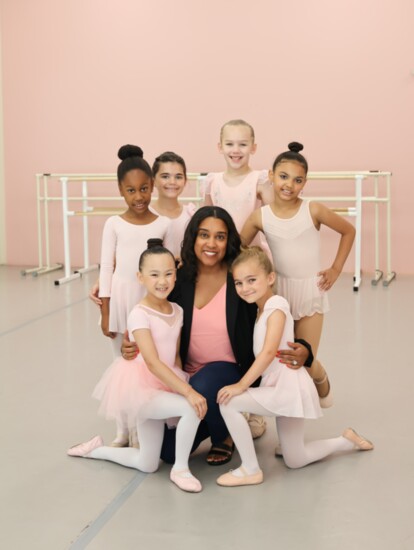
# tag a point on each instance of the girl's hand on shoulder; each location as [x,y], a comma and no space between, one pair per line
[225,394]
[198,402]
[327,278]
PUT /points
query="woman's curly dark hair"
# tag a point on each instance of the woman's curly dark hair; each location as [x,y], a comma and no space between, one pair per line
[188,257]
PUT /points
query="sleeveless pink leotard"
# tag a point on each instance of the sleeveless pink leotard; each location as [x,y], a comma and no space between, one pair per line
[295,247]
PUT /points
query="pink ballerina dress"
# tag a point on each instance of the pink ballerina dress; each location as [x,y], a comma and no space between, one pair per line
[283,391]
[126,386]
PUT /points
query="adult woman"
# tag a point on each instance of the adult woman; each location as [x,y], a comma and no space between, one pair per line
[216,340]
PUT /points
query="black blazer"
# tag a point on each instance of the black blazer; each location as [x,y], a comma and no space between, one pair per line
[240,318]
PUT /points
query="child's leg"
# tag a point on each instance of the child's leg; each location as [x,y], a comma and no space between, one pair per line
[123,437]
[310,329]
[239,428]
[169,405]
[297,453]
[122,433]
[146,459]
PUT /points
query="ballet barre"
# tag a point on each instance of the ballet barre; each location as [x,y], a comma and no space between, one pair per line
[43,198]
[358,178]
[87,210]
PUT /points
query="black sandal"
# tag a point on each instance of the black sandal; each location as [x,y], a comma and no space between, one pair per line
[220,449]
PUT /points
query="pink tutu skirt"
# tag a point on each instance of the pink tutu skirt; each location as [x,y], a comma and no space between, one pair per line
[126,386]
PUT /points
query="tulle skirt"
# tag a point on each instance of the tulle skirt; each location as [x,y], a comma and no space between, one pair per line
[126,386]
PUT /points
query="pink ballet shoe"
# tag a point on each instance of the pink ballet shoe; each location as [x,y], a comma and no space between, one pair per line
[133,438]
[120,441]
[326,401]
[185,482]
[360,442]
[83,449]
[231,480]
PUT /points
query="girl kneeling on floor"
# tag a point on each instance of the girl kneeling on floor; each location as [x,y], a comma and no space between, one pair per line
[153,388]
[286,393]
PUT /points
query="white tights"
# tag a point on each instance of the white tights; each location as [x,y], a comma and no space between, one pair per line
[151,432]
[291,431]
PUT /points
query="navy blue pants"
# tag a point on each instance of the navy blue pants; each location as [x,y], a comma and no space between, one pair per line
[207,381]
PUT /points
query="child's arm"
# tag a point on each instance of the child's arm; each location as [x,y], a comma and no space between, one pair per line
[105,318]
[251,227]
[108,251]
[274,331]
[322,215]
[147,348]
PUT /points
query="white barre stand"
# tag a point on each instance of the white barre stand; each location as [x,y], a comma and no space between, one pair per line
[359,198]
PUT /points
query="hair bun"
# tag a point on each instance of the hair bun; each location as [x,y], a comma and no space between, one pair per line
[295,147]
[127,151]
[152,243]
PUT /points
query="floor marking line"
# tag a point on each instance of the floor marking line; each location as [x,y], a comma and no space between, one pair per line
[94,528]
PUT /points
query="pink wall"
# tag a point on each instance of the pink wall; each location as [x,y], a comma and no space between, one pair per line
[82,77]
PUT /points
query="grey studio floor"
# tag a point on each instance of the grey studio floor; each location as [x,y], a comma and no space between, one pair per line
[52,354]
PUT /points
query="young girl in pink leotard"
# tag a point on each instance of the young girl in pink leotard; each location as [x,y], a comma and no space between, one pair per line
[170,178]
[240,190]
[153,388]
[286,393]
[291,226]
[124,239]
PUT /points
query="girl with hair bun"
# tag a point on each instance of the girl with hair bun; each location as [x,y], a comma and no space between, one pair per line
[170,177]
[153,388]
[291,226]
[123,241]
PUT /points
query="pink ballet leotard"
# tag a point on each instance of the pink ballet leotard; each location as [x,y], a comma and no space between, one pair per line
[122,245]
[283,391]
[178,226]
[127,385]
[239,200]
[295,247]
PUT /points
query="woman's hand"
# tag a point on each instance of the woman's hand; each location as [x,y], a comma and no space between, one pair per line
[295,357]
[225,394]
[198,402]
[129,349]
[94,294]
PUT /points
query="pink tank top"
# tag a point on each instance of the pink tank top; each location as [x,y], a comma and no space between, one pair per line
[209,339]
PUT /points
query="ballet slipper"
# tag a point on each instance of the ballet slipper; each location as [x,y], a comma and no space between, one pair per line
[83,449]
[120,441]
[360,442]
[327,400]
[133,438]
[185,482]
[257,425]
[231,480]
